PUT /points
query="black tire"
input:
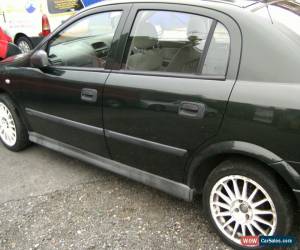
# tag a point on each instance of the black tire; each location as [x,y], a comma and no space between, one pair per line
[278,193]
[24,40]
[22,140]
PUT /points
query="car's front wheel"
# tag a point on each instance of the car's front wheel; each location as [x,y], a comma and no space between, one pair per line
[13,133]
[242,198]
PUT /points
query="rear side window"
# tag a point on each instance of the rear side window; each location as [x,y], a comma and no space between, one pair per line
[216,59]
[62,6]
[167,41]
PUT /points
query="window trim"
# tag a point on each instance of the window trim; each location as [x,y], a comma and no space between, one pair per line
[86,69]
[169,74]
[79,20]
[232,27]
[123,8]
[206,48]
[198,73]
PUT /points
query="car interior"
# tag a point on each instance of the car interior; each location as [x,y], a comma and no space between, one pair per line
[151,50]
[86,43]
[161,41]
[85,52]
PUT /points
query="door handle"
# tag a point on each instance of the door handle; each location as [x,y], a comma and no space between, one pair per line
[89,95]
[192,110]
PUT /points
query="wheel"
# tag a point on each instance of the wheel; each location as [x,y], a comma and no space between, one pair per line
[24,44]
[13,133]
[242,198]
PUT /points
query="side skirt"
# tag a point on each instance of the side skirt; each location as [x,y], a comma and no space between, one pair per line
[176,189]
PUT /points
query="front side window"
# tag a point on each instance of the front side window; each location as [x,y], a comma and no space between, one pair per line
[85,43]
[167,41]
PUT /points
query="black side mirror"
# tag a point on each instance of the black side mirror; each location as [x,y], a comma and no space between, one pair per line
[39,59]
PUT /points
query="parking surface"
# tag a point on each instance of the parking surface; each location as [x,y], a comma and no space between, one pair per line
[50,201]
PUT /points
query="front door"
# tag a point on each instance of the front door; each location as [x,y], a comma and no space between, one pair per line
[170,93]
[63,101]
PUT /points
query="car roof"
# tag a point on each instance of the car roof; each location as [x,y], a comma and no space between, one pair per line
[238,3]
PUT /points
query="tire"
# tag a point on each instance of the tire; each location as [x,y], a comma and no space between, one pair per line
[279,203]
[13,133]
[24,44]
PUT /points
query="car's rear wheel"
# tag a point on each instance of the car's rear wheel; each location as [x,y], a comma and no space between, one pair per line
[242,198]
[13,133]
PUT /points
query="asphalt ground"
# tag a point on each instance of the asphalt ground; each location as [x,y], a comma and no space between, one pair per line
[50,201]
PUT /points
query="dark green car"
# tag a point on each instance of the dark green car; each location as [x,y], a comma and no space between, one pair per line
[193,97]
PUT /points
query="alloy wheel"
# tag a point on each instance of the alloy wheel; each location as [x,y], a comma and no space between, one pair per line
[8,131]
[241,207]
[24,46]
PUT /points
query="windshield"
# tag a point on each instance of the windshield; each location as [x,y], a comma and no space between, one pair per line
[62,6]
[286,13]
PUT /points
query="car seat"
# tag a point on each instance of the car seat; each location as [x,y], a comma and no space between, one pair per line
[187,59]
[143,53]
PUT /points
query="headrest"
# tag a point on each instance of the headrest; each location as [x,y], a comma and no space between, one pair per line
[145,36]
[198,28]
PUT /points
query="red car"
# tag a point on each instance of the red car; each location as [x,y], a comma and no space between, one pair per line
[7,48]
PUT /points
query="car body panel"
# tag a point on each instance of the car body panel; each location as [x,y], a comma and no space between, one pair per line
[141,123]
[56,92]
[125,111]
[52,101]
[289,171]
[269,112]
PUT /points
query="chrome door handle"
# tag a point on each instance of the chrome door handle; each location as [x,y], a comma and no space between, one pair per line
[192,110]
[89,95]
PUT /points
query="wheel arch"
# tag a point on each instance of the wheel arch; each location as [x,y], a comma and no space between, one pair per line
[18,35]
[17,106]
[205,161]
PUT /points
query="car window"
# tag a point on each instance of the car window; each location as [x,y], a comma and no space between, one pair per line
[168,41]
[85,43]
[216,60]
[62,6]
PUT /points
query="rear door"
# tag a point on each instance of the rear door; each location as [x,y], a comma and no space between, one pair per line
[168,92]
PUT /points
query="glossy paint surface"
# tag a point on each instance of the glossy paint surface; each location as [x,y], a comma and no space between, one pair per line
[150,111]
[255,111]
[149,105]
[271,114]
[57,92]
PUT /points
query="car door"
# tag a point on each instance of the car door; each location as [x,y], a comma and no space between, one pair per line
[63,100]
[169,89]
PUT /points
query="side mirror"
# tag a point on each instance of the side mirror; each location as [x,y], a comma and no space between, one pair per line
[39,59]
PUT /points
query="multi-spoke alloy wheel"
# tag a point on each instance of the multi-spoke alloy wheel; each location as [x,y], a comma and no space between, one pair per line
[13,133]
[24,47]
[24,44]
[243,197]
[241,207]
[8,131]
